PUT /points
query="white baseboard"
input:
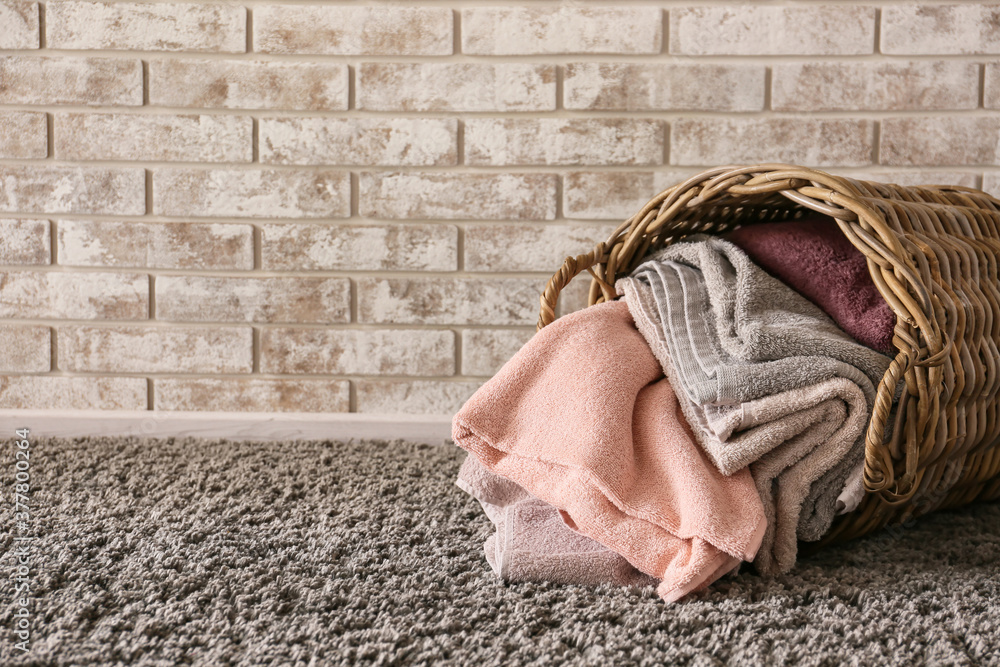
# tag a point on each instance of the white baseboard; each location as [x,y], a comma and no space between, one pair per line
[434,429]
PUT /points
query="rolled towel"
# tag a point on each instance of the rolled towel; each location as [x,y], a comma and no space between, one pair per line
[533,543]
[582,419]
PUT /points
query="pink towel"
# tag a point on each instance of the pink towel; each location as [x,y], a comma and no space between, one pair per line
[814,258]
[533,543]
[582,418]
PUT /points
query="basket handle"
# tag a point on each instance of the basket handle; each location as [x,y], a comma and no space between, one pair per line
[572,266]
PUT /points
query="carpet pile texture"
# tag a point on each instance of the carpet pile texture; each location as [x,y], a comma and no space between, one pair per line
[164,552]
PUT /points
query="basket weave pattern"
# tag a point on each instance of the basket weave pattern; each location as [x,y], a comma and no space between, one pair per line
[932,252]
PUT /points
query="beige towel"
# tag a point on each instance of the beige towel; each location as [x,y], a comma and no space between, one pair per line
[533,543]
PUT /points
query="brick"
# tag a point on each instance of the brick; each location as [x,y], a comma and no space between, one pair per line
[82,296]
[19,25]
[499,301]
[244,395]
[555,141]
[23,135]
[190,138]
[941,141]
[754,30]
[37,189]
[257,193]
[357,352]
[614,195]
[353,31]
[25,242]
[248,84]
[63,80]
[216,299]
[143,26]
[419,397]
[484,351]
[647,87]
[879,86]
[25,349]
[456,87]
[934,29]
[46,392]
[991,96]
[574,296]
[359,141]
[147,349]
[159,245]
[398,247]
[508,31]
[991,184]
[451,196]
[528,247]
[917,177]
[809,142]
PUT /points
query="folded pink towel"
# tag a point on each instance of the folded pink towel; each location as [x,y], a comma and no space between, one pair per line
[814,258]
[533,543]
[582,418]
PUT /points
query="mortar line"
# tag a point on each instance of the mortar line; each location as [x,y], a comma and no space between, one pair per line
[152,297]
[665,27]
[877,143]
[257,238]
[768,88]
[352,88]
[249,27]
[53,243]
[560,105]
[982,86]
[459,352]
[42,26]
[254,140]
[255,352]
[50,136]
[877,46]
[54,351]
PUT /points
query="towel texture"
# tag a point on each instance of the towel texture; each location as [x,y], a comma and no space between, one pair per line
[815,259]
[533,543]
[766,379]
[582,419]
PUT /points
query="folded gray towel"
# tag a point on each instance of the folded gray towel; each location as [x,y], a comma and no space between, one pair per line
[754,360]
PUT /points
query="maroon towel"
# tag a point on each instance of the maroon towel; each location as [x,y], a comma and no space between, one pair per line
[814,258]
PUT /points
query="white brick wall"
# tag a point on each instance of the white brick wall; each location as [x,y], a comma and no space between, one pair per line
[353,206]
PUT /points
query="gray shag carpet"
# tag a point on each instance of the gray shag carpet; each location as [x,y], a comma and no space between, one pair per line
[165,552]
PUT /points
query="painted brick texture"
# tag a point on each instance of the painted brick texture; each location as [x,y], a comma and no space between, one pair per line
[19,23]
[334,207]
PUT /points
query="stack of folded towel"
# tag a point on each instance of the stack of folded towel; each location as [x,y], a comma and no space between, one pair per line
[713,415]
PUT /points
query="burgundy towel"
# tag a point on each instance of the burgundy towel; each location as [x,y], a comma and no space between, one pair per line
[814,258]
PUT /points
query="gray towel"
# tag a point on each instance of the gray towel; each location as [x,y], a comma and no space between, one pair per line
[734,340]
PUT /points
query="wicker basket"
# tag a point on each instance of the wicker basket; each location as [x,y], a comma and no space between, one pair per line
[933,253]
